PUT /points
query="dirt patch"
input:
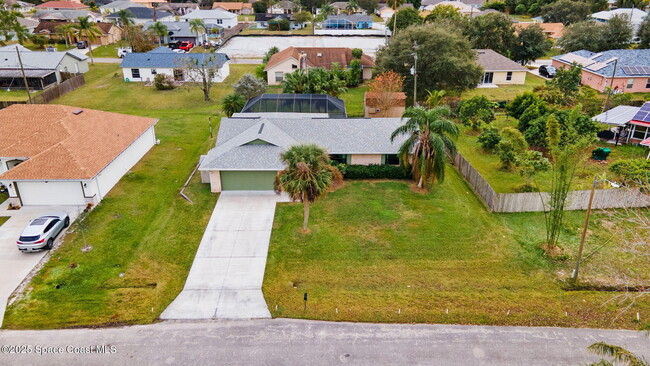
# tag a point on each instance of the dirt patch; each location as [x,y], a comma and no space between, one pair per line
[101,86]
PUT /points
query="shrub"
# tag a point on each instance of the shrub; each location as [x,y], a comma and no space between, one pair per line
[476,111]
[520,9]
[632,171]
[521,102]
[163,82]
[373,172]
[357,53]
[490,138]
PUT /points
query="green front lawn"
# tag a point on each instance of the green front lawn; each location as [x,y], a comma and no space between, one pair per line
[3,219]
[304,31]
[354,101]
[105,51]
[143,235]
[378,252]
[506,92]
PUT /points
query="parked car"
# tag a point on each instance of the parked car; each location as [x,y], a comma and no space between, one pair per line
[122,51]
[186,46]
[547,71]
[174,45]
[82,44]
[41,232]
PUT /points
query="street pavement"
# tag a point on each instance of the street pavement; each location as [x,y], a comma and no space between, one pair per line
[304,342]
[225,281]
[14,264]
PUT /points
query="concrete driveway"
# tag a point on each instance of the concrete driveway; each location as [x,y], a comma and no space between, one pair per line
[225,281]
[15,265]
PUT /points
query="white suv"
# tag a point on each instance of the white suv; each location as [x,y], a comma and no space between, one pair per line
[41,232]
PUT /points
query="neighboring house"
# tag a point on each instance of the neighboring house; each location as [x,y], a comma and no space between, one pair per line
[283,7]
[62,5]
[28,23]
[373,103]
[62,155]
[263,21]
[632,69]
[386,12]
[42,69]
[145,66]
[499,70]
[111,33]
[475,3]
[116,6]
[150,3]
[553,31]
[635,16]
[66,15]
[179,8]
[221,18]
[294,58]
[143,15]
[180,31]
[632,122]
[354,21]
[617,119]
[640,126]
[20,6]
[463,8]
[236,8]
[247,152]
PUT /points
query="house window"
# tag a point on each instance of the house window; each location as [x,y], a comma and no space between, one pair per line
[339,158]
[647,84]
[640,132]
[391,159]
[294,66]
[630,83]
[509,76]
[279,76]
[219,21]
[154,72]
[488,77]
[135,73]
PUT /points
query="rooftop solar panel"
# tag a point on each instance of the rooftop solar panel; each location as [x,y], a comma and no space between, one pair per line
[643,114]
[636,70]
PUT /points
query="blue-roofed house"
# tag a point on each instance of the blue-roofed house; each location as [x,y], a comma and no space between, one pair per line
[145,66]
[343,21]
[142,15]
[625,71]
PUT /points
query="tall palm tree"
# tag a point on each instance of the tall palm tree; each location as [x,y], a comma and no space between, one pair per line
[620,355]
[86,28]
[22,33]
[125,19]
[352,6]
[160,30]
[197,26]
[307,175]
[430,139]
[394,4]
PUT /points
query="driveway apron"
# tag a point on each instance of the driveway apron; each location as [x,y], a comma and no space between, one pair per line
[225,281]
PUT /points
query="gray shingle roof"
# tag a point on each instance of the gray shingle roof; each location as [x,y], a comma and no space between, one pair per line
[180,29]
[142,13]
[490,60]
[35,60]
[121,4]
[233,150]
[168,60]
[603,63]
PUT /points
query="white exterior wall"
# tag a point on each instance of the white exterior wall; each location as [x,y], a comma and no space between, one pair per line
[365,159]
[225,22]
[147,75]
[285,66]
[71,64]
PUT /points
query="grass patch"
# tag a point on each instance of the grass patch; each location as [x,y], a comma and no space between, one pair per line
[308,30]
[3,219]
[354,101]
[506,92]
[144,235]
[552,52]
[105,51]
[407,257]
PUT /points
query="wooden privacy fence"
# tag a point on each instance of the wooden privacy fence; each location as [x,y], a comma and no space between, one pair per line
[56,91]
[534,202]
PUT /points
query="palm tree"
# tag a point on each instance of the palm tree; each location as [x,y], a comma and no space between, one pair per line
[86,28]
[22,33]
[430,138]
[620,355]
[307,175]
[197,26]
[125,19]
[435,97]
[394,4]
[351,7]
[160,30]
[66,30]
[232,103]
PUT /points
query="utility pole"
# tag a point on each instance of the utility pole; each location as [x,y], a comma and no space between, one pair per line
[611,85]
[584,232]
[22,70]
[415,74]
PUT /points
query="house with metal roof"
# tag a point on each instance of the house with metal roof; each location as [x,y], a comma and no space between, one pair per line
[248,148]
[42,69]
[142,15]
[138,67]
[344,21]
[624,71]
[224,19]
[499,70]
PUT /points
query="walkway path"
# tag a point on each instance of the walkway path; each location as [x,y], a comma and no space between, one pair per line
[225,281]
[304,342]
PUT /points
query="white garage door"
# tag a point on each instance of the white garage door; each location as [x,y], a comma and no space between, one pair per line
[51,193]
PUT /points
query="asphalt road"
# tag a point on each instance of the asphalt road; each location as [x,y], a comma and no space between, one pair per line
[302,342]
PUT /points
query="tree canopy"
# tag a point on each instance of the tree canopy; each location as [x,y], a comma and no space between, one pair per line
[566,12]
[597,37]
[494,31]
[530,44]
[405,18]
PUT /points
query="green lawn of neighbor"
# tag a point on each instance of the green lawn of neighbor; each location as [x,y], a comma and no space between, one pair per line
[3,196]
[488,164]
[143,229]
[378,252]
[506,92]
[304,31]
[354,101]
[552,52]
[105,51]
[3,219]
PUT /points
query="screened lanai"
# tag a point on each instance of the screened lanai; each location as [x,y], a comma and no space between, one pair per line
[296,103]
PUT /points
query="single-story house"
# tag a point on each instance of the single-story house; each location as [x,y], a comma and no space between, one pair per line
[111,32]
[633,123]
[293,58]
[462,7]
[283,7]
[374,102]
[247,152]
[66,15]
[553,31]
[634,15]
[640,125]
[180,31]
[341,8]
[235,8]
[499,70]
[632,69]
[343,21]
[150,3]
[386,12]
[142,15]
[264,20]
[116,6]
[475,3]
[221,18]
[42,69]
[62,5]
[62,155]
[145,66]
[20,6]
[179,8]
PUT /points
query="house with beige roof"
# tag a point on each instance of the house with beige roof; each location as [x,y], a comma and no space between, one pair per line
[63,155]
[236,8]
[294,58]
[499,70]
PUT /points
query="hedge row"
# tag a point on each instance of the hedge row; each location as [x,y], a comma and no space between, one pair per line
[373,172]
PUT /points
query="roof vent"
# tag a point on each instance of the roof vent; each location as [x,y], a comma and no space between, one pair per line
[319,54]
[77,111]
[261,128]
